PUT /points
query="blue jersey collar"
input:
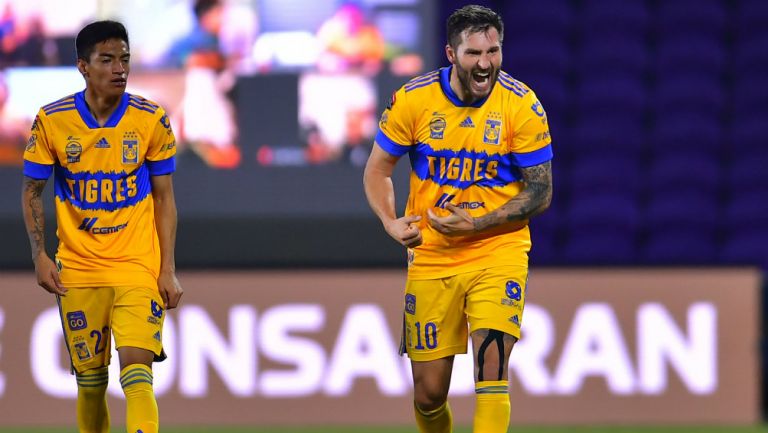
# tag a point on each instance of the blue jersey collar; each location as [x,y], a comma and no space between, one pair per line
[445,84]
[88,118]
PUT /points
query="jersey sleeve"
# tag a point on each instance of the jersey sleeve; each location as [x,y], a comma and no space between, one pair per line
[531,142]
[161,155]
[395,133]
[39,157]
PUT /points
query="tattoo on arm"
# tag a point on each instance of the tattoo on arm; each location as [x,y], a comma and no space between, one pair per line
[33,190]
[532,200]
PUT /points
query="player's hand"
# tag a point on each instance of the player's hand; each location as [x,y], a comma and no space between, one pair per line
[48,276]
[404,231]
[458,223]
[170,289]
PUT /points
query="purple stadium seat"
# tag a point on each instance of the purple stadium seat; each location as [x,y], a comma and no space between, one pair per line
[751,55]
[599,246]
[685,170]
[608,135]
[750,93]
[542,54]
[747,210]
[748,131]
[746,247]
[747,173]
[522,17]
[615,54]
[627,16]
[692,54]
[611,94]
[680,131]
[611,173]
[681,209]
[689,93]
[680,247]
[751,18]
[690,16]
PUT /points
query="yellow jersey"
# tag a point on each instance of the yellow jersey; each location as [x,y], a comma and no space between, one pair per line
[104,208]
[468,155]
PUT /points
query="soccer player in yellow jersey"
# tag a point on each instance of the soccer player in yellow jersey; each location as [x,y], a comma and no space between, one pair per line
[112,155]
[480,153]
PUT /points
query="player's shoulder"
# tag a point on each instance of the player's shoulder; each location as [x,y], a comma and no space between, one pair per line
[64,104]
[513,86]
[144,105]
[422,83]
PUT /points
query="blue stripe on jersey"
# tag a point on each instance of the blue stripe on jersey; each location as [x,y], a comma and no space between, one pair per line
[536,157]
[67,101]
[69,98]
[141,107]
[63,108]
[445,84]
[422,79]
[143,101]
[37,171]
[102,191]
[425,83]
[164,166]
[514,90]
[464,168]
[88,118]
[390,146]
[512,82]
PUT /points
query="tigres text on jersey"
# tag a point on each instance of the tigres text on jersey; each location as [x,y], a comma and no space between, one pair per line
[468,155]
[104,207]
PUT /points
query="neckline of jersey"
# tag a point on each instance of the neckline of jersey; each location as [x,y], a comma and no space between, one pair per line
[90,121]
[445,85]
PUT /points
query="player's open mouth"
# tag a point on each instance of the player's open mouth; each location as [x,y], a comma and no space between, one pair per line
[481,80]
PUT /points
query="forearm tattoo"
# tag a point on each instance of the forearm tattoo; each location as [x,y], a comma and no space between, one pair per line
[33,190]
[532,200]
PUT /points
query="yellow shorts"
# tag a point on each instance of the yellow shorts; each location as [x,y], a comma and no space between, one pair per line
[90,316]
[437,311]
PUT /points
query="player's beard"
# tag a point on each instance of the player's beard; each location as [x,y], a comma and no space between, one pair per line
[468,82]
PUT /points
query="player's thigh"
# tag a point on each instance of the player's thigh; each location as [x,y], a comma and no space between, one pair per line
[496,298]
[434,322]
[86,315]
[137,320]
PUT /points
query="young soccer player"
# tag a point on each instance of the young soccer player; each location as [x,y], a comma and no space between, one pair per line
[112,155]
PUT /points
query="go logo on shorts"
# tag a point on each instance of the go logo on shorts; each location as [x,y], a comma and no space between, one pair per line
[76,320]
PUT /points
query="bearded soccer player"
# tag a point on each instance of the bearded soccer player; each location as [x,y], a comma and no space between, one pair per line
[480,153]
[112,155]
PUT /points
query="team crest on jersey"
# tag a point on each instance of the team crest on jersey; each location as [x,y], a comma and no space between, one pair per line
[492,131]
[73,150]
[130,148]
[437,127]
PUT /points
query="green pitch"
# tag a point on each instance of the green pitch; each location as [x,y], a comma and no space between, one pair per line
[527,429]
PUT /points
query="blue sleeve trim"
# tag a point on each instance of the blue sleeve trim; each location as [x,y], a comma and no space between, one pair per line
[37,171]
[162,167]
[389,145]
[536,157]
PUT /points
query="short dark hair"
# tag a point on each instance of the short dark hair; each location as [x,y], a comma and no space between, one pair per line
[98,32]
[473,18]
[202,7]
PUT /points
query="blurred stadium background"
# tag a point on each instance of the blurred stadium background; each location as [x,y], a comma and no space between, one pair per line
[658,228]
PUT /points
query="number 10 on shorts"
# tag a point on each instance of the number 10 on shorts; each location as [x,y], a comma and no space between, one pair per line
[429,338]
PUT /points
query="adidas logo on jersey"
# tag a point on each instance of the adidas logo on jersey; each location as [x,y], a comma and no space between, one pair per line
[102,144]
[467,123]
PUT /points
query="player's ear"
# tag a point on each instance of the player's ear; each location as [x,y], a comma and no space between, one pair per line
[450,53]
[82,66]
